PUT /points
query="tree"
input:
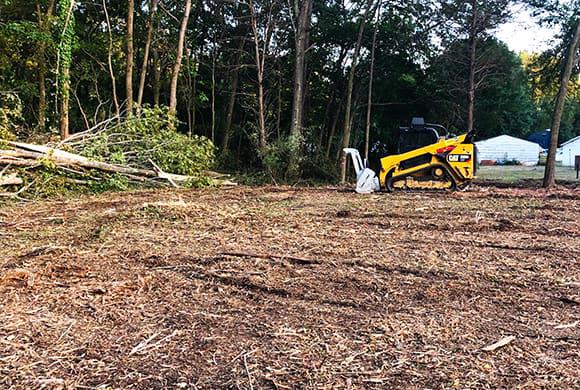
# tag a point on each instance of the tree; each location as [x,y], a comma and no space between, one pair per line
[262,38]
[110,62]
[129,70]
[235,71]
[370,90]
[504,104]
[178,57]
[65,49]
[472,20]
[302,12]
[570,61]
[304,74]
[146,50]
[556,66]
[44,20]
[348,105]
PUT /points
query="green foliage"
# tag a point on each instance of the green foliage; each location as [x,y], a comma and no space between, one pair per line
[66,23]
[276,158]
[112,182]
[503,102]
[411,77]
[508,162]
[10,116]
[318,168]
[152,136]
[49,182]
[312,164]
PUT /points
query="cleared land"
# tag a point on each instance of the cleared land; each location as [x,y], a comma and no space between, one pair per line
[285,288]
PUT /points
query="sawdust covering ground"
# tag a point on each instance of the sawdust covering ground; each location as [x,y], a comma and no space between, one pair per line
[291,288]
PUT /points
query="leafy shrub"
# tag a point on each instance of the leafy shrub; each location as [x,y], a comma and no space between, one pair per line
[319,168]
[512,161]
[151,136]
[276,158]
[10,115]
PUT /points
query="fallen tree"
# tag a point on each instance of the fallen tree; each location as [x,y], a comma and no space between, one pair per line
[142,151]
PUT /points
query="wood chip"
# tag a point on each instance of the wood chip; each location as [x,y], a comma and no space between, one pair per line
[567,326]
[501,343]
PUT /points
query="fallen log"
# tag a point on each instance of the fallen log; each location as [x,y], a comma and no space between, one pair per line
[10,180]
[61,157]
[30,155]
[47,151]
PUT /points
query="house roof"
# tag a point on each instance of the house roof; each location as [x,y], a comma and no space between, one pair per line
[541,137]
[504,138]
[571,141]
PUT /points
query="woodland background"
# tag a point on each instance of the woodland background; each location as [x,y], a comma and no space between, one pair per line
[279,86]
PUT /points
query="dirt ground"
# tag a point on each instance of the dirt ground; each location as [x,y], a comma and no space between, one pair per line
[281,287]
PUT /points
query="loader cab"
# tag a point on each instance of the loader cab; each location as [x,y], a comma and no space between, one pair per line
[419,134]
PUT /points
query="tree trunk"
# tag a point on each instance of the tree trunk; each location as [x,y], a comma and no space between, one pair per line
[324,126]
[64,104]
[348,104]
[262,113]
[143,75]
[65,60]
[232,99]
[300,40]
[194,108]
[156,77]
[471,77]
[44,25]
[260,59]
[190,94]
[370,94]
[110,61]
[279,102]
[178,57]
[213,61]
[571,58]
[332,130]
[129,71]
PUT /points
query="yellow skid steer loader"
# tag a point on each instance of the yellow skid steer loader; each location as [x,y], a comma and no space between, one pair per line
[429,157]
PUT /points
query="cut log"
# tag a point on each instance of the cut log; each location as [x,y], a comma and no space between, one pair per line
[10,180]
[30,155]
[45,150]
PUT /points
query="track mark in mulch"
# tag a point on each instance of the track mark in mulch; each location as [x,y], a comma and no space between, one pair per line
[292,288]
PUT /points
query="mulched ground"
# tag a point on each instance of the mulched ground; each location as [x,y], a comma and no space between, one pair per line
[291,288]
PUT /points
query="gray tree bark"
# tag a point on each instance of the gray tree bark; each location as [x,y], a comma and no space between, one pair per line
[348,104]
[471,78]
[300,42]
[178,57]
[130,54]
[232,98]
[44,25]
[370,94]
[143,74]
[571,58]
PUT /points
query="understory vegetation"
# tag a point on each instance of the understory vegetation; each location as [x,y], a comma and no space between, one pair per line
[272,89]
[144,140]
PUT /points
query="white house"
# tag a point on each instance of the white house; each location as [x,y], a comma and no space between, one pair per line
[567,151]
[506,147]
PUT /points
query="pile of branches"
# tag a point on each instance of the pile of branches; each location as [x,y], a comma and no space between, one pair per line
[113,155]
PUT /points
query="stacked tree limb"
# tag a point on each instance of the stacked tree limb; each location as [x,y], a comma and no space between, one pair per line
[29,156]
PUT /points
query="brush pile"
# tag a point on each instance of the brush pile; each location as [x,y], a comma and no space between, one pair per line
[141,151]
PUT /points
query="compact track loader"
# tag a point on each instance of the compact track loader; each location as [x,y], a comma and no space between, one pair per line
[429,157]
